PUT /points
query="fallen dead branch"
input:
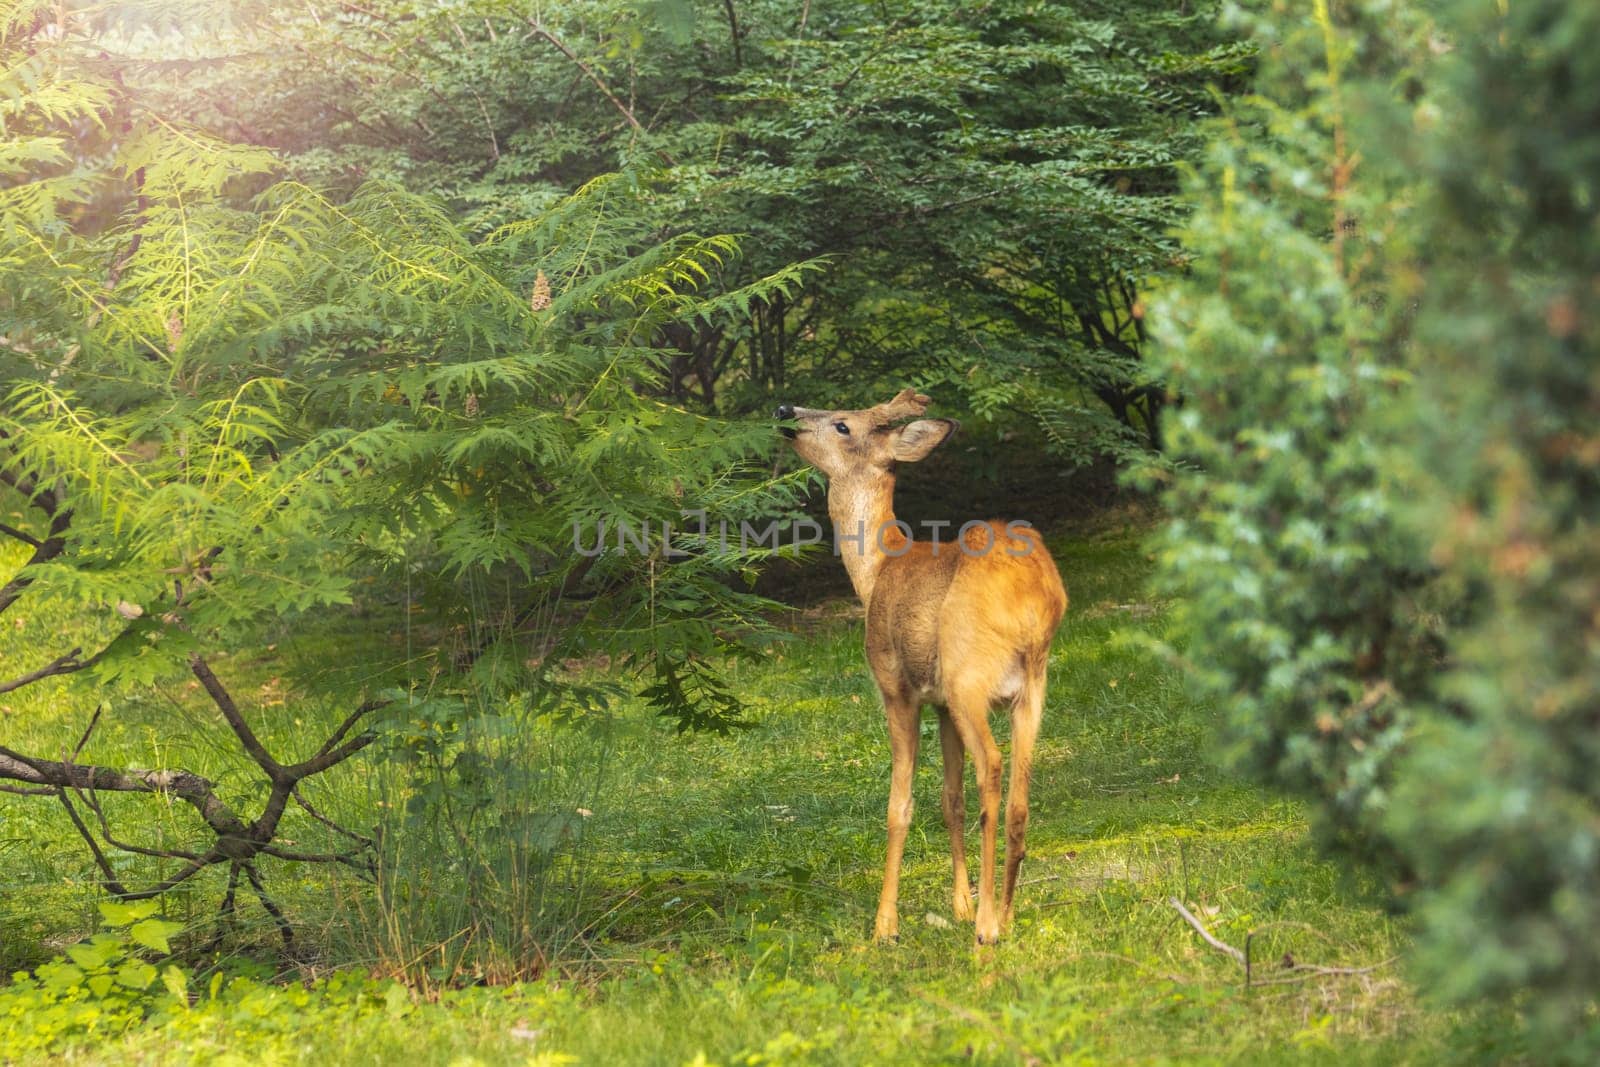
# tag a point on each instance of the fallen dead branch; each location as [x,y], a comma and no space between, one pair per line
[239,839]
[1299,972]
[1200,928]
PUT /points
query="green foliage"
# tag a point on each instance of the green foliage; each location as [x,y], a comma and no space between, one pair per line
[992,187]
[1500,810]
[730,912]
[99,987]
[239,404]
[114,997]
[1298,575]
[278,396]
[1385,539]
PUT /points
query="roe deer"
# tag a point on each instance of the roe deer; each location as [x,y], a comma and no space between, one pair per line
[963,624]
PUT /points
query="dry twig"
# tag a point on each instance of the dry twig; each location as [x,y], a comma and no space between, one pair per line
[1302,970]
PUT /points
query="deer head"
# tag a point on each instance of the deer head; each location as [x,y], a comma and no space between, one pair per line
[854,444]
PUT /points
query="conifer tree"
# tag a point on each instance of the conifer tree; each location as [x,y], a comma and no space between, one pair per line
[1499,809]
[1296,573]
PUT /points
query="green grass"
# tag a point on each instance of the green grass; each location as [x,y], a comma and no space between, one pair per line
[729,885]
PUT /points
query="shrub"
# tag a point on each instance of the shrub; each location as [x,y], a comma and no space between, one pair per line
[1296,575]
[1499,807]
[1385,489]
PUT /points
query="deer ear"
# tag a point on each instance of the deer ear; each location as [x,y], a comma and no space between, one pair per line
[915,440]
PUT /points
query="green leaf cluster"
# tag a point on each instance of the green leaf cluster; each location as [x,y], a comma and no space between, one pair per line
[236,403]
[991,188]
[1387,469]
[102,985]
[264,398]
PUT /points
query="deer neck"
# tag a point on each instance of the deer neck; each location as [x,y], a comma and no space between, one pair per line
[862,510]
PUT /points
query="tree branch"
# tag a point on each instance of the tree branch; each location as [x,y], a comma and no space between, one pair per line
[238,843]
[20,535]
[105,831]
[733,33]
[310,766]
[1188,917]
[63,664]
[54,543]
[627,113]
[112,883]
[194,868]
[284,928]
[329,823]
[1300,971]
[241,729]
[28,790]
[191,788]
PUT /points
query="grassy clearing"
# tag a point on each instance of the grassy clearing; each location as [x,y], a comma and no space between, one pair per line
[728,887]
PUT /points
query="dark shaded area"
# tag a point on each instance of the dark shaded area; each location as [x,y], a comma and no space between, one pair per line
[1007,479]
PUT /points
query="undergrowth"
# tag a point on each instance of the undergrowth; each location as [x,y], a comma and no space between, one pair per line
[719,908]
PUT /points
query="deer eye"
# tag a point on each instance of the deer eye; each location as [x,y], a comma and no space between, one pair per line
[842,428]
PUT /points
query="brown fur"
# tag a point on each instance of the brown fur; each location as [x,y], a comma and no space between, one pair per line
[965,631]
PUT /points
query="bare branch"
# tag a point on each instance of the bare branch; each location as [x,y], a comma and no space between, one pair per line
[66,664]
[232,890]
[112,883]
[353,860]
[53,545]
[324,820]
[1188,917]
[319,763]
[254,875]
[94,720]
[105,831]
[238,842]
[195,790]
[627,113]
[230,712]
[338,735]
[63,664]
[13,532]
[1300,971]
[734,33]
[194,868]
[28,485]
[28,790]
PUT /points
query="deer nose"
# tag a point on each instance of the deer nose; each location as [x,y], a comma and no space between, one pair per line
[785,411]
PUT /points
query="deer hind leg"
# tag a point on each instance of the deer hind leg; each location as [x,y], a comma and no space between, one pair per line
[1027,709]
[970,712]
[955,813]
[903,737]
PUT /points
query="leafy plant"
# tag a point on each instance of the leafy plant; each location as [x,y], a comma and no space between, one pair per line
[1384,538]
[100,986]
[1498,806]
[238,404]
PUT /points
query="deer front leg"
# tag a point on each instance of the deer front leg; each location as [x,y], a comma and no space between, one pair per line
[955,814]
[902,717]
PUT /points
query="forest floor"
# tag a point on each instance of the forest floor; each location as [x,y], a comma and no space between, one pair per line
[725,889]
